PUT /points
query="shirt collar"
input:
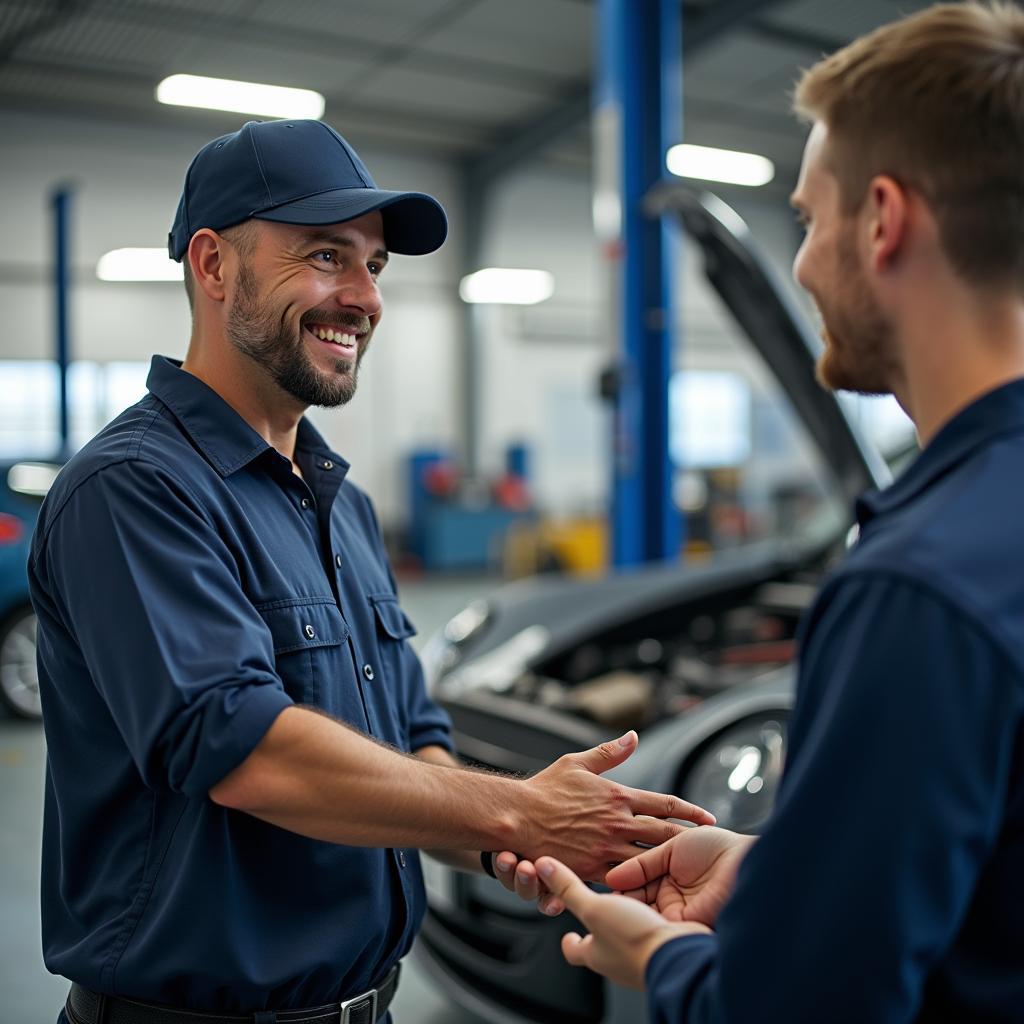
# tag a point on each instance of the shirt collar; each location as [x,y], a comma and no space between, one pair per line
[217,430]
[309,439]
[996,414]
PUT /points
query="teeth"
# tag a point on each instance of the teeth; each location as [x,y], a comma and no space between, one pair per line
[338,337]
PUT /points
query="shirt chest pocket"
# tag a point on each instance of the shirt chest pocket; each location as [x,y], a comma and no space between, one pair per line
[311,651]
[393,630]
[392,622]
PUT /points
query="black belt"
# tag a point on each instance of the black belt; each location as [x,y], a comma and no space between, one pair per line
[86,1007]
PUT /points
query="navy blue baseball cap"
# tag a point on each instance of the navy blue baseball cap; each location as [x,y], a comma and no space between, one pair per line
[296,172]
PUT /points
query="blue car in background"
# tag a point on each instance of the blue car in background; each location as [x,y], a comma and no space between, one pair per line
[23,485]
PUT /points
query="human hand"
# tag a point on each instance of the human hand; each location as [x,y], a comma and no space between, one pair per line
[591,823]
[689,878]
[624,933]
[520,877]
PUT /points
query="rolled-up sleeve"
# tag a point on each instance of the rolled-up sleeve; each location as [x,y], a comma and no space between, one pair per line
[429,725]
[892,800]
[150,593]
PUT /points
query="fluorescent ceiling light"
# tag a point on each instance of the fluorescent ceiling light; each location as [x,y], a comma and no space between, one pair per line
[240,97]
[138,265]
[725,165]
[512,287]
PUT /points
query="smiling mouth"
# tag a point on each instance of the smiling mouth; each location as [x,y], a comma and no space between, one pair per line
[339,338]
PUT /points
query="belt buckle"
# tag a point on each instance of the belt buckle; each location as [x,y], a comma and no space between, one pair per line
[351,1004]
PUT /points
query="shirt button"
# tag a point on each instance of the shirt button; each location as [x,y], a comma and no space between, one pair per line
[368,672]
[305,503]
[327,464]
[337,561]
[310,631]
[401,858]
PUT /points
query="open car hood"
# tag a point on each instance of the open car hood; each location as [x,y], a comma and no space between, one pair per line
[534,620]
[775,325]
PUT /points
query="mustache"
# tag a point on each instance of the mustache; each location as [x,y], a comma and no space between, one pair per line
[337,318]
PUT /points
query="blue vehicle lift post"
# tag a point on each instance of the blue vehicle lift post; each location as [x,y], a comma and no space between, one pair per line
[637,116]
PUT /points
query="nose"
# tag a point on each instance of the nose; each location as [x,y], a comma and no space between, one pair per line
[357,290]
[799,264]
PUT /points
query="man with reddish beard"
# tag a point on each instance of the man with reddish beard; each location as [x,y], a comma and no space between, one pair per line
[887,885]
[242,758]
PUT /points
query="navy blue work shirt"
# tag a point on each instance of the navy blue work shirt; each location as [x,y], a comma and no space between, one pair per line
[888,885]
[190,586]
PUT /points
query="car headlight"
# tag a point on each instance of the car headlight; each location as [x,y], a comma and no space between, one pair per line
[441,651]
[467,622]
[736,774]
[500,668]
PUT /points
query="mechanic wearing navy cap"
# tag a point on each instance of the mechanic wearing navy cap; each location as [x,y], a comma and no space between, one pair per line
[888,886]
[242,757]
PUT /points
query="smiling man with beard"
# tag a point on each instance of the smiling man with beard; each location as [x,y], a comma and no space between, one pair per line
[886,887]
[255,332]
[243,761]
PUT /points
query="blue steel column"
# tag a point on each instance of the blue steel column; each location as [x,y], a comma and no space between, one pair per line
[61,200]
[638,115]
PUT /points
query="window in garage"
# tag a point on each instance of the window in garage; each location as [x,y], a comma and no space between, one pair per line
[29,425]
[747,469]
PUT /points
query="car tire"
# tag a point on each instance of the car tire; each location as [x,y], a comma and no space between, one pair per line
[19,678]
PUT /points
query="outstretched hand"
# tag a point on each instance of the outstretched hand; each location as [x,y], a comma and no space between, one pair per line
[592,823]
[624,933]
[689,878]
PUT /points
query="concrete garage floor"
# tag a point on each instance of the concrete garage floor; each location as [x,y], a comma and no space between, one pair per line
[33,996]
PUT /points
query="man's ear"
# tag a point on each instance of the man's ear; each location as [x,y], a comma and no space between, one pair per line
[887,209]
[207,253]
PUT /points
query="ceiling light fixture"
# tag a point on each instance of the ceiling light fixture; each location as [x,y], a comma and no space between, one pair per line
[502,285]
[138,265]
[725,165]
[240,97]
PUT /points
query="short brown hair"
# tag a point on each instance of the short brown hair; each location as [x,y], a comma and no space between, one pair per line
[936,101]
[241,236]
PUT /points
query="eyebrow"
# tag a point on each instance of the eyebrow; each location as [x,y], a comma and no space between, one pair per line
[341,241]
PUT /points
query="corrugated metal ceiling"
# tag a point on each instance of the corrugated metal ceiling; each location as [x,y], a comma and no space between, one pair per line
[458,77]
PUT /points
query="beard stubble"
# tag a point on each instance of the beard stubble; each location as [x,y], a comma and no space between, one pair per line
[259,334]
[859,351]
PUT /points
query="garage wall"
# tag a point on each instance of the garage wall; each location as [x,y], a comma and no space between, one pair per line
[540,364]
[127,181]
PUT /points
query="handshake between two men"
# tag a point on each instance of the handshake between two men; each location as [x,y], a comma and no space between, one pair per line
[566,823]
[675,888]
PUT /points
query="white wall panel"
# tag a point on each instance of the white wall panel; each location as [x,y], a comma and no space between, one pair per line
[540,365]
[127,181]
[545,392]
